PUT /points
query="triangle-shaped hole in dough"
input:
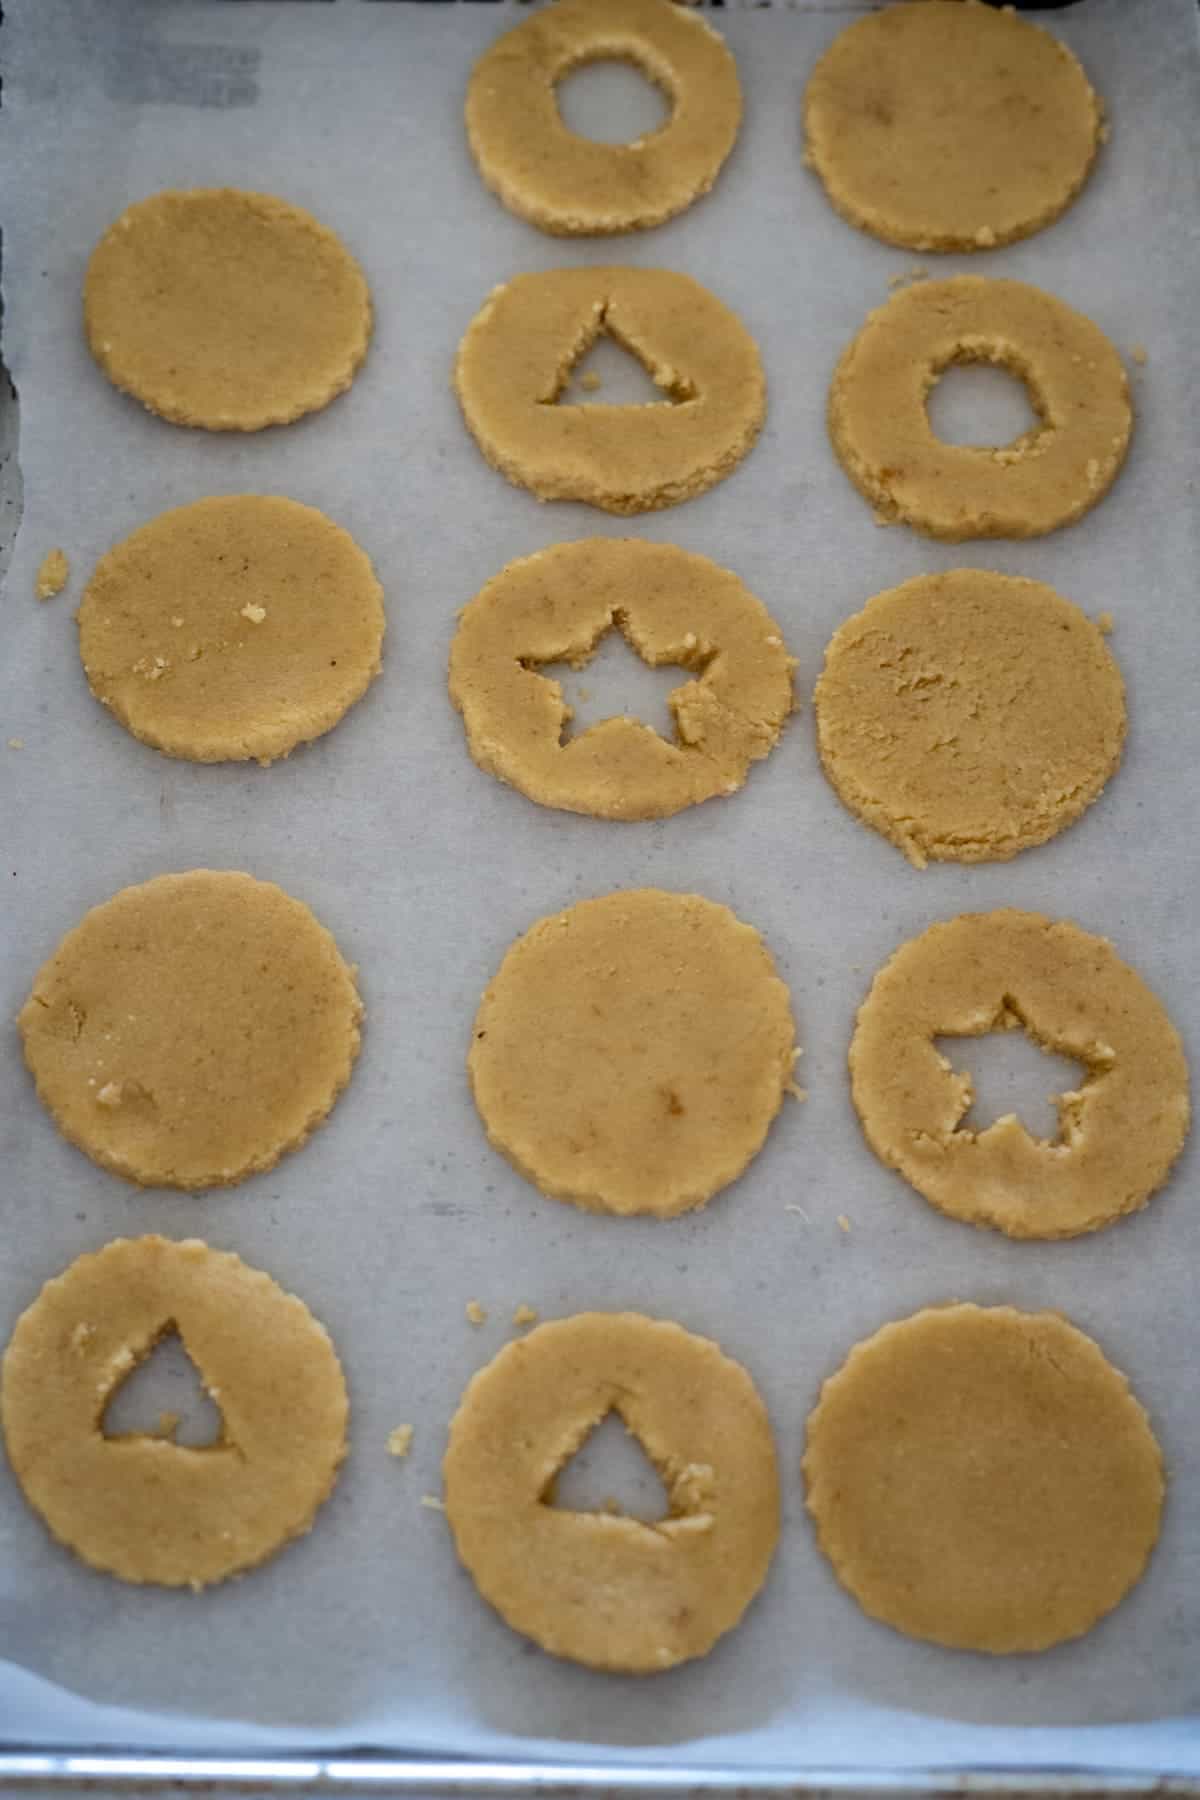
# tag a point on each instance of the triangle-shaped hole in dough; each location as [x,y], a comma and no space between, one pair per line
[610,1472]
[164,1396]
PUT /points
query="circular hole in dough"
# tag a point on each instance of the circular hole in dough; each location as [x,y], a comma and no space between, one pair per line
[969,715]
[191,1029]
[225,309]
[949,126]
[983,1478]
[606,1589]
[631,1052]
[672,608]
[140,1506]
[232,628]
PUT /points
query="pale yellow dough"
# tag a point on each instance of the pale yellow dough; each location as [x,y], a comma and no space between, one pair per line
[969,715]
[225,309]
[601,1588]
[672,607]
[139,1506]
[1002,971]
[232,628]
[54,572]
[950,126]
[190,1030]
[983,1478]
[570,185]
[630,1053]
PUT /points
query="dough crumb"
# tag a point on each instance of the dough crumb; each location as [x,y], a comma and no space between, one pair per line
[906,277]
[1104,622]
[52,575]
[433,1503]
[82,1336]
[525,1315]
[797,1093]
[255,614]
[843,1222]
[1140,355]
[110,1094]
[168,1425]
[176,620]
[16,743]
[476,1313]
[400,1440]
[589,381]
[153,668]
[985,237]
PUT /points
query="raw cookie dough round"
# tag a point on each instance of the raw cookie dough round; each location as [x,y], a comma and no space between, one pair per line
[190,1030]
[969,715]
[950,126]
[225,309]
[232,628]
[601,1588]
[518,353]
[983,1478]
[631,1052]
[1047,477]
[671,607]
[140,1506]
[1070,991]
[568,184]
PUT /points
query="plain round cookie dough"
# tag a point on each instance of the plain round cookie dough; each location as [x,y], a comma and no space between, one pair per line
[1118,1134]
[1048,477]
[140,1506]
[631,1052]
[983,1478]
[567,184]
[945,126]
[671,607]
[969,715]
[518,353]
[191,1029]
[232,628]
[600,1588]
[225,309]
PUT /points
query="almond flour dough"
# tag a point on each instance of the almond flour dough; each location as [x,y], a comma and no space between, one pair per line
[140,1506]
[672,608]
[567,184]
[517,356]
[190,1030]
[983,1478]
[969,715]
[1119,1134]
[631,1052]
[225,309]
[54,571]
[947,126]
[1048,477]
[600,1588]
[233,628]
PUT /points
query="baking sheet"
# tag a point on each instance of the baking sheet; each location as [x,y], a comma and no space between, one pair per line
[425,869]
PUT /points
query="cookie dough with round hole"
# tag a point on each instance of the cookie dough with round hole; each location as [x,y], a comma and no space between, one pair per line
[192,1029]
[969,715]
[983,1478]
[672,607]
[631,1052]
[1048,477]
[601,1588]
[517,355]
[950,126]
[225,309]
[1070,991]
[140,1506]
[567,184]
[232,628]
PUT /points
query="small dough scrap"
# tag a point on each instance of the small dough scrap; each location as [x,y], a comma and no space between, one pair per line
[1070,991]
[1046,478]
[225,309]
[400,1440]
[570,185]
[54,572]
[603,1589]
[671,607]
[631,1052]
[983,1478]
[190,1030]
[950,126]
[517,356]
[140,1506]
[969,715]
[234,628]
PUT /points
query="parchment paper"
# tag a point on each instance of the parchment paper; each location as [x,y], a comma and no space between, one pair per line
[425,869]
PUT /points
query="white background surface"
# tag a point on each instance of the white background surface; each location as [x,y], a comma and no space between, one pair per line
[425,869]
